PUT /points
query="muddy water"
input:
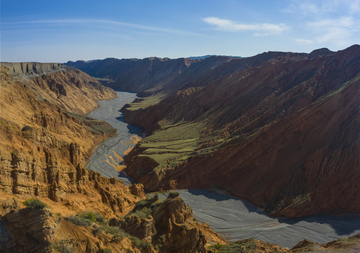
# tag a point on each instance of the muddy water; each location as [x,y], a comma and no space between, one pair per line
[233,218]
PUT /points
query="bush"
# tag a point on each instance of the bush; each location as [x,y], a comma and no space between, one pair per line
[173,194]
[27,128]
[87,218]
[62,246]
[79,220]
[34,204]
[107,250]
[90,216]
[139,243]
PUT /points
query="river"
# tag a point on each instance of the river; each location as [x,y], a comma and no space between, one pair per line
[231,217]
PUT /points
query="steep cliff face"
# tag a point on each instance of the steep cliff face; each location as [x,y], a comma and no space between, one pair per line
[43,145]
[280,135]
[167,224]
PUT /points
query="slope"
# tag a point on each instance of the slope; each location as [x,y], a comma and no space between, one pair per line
[279,135]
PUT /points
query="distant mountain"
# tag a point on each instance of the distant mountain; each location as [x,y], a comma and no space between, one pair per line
[207,56]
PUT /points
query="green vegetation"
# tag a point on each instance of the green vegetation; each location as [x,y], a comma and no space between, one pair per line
[247,245]
[62,246]
[172,145]
[87,218]
[2,122]
[139,243]
[14,127]
[107,250]
[173,194]
[145,102]
[27,128]
[34,204]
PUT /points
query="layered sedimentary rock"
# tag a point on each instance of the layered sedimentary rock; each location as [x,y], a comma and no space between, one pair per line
[168,225]
[280,135]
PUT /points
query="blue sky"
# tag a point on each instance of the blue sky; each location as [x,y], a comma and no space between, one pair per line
[58,31]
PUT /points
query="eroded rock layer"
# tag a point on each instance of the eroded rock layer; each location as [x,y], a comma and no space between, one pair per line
[283,135]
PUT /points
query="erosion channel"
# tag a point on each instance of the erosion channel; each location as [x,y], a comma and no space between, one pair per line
[231,217]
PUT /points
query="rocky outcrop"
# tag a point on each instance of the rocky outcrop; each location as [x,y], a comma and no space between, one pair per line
[29,230]
[168,225]
[8,205]
[280,135]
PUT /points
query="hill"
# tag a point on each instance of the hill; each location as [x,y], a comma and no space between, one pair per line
[280,134]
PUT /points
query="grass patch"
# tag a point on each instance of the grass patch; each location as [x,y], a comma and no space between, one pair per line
[173,145]
[87,218]
[142,103]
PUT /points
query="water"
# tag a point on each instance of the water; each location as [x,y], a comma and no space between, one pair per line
[231,217]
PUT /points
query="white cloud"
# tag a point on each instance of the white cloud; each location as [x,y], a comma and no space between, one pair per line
[338,31]
[261,29]
[303,41]
[108,23]
[328,21]
[322,7]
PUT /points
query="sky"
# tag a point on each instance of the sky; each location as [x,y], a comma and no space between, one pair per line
[59,31]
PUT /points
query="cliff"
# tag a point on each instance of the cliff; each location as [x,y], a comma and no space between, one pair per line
[280,135]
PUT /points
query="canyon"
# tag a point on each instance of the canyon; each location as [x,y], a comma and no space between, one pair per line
[278,130]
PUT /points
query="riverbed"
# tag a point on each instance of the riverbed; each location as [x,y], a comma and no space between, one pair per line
[231,217]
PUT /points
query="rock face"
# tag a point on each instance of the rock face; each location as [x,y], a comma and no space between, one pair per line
[280,135]
[30,230]
[43,147]
[169,225]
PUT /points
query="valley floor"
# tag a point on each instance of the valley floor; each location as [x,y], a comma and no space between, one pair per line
[233,218]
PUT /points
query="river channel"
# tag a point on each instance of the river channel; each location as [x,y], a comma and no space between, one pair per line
[231,217]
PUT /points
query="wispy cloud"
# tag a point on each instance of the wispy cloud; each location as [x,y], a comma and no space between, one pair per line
[108,23]
[329,21]
[321,7]
[260,29]
[338,31]
[303,41]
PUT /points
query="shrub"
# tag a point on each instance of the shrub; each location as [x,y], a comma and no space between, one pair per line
[116,232]
[80,221]
[107,250]
[173,194]
[87,218]
[139,243]
[2,122]
[34,204]
[62,246]
[90,216]
[99,218]
[27,128]
[218,246]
